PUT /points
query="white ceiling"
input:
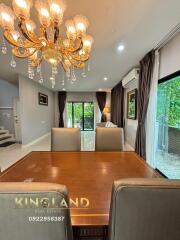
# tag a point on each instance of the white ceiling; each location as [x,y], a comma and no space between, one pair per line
[139,25]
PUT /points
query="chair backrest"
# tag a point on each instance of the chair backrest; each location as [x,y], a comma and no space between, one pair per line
[145,209]
[109,139]
[34,211]
[65,139]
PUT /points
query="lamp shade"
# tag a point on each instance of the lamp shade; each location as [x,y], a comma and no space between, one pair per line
[6,17]
[22,8]
[106,110]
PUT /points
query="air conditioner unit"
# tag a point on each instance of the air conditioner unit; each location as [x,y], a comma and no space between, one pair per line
[131,78]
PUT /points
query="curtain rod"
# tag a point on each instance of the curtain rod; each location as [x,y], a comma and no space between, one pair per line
[168,37]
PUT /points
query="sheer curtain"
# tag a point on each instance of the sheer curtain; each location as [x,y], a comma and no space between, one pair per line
[151,134]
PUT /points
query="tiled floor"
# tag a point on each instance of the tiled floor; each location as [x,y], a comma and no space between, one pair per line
[12,154]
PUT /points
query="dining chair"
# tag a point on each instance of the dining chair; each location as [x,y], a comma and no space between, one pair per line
[66,139]
[33,211]
[145,209]
[109,139]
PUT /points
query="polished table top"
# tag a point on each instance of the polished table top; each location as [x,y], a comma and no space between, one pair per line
[86,174]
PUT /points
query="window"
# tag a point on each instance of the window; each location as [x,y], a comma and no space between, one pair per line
[168,126]
[81,115]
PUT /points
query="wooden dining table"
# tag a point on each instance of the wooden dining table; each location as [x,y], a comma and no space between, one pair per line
[86,174]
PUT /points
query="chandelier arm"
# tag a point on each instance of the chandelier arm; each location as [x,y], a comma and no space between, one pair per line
[74,49]
[56,33]
[36,62]
[9,38]
[29,36]
[78,58]
[25,54]
[64,66]
[28,44]
[75,63]
[43,33]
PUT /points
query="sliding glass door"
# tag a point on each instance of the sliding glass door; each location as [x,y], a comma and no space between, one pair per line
[77,115]
[81,115]
[168,128]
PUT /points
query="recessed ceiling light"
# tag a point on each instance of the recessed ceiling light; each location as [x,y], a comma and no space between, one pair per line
[121,47]
[105,78]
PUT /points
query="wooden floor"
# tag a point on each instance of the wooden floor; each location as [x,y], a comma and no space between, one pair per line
[86,174]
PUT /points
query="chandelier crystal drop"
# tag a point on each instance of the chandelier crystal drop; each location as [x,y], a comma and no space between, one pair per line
[63,80]
[83,74]
[13,62]
[30,69]
[73,75]
[89,67]
[46,41]
[39,74]
[4,47]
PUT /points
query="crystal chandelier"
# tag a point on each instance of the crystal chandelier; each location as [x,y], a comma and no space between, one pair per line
[46,43]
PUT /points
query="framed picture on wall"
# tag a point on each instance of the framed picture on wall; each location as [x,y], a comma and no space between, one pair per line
[43,99]
[132,104]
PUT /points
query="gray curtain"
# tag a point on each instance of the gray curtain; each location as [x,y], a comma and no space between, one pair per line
[117,105]
[145,79]
[62,104]
[101,99]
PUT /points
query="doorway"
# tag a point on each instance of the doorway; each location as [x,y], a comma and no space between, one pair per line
[80,115]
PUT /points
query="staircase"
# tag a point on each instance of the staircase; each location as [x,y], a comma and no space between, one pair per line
[5,136]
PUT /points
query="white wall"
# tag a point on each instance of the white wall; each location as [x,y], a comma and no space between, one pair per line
[36,120]
[81,97]
[8,92]
[130,125]
[170,57]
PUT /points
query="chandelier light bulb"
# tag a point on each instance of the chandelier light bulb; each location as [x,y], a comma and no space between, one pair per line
[21,3]
[57,8]
[71,30]
[81,24]
[30,25]
[82,52]
[15,35]
[87,42]
[6,17]
[70,26]
[43,12]
[22,8]
[66,43]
